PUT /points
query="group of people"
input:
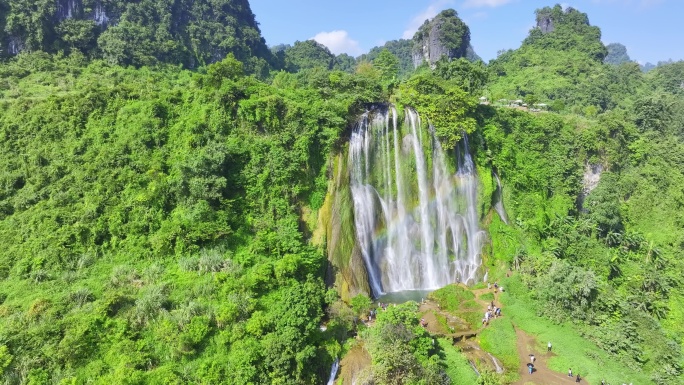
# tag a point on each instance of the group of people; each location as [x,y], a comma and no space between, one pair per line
[372,313]
[577,379]
[496,286]
[492,312]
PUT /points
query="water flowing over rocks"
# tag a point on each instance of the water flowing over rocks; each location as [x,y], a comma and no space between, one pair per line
[415,215]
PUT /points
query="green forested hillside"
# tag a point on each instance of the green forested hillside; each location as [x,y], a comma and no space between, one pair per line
[192,33]
[154,222]
[617,54]
[162,225]
[560,61]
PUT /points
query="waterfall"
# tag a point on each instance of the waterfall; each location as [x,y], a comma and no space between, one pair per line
[333,372]
[498,367]
[498,206]
[415,208]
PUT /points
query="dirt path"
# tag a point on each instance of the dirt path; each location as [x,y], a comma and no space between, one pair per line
[526,344]
[542,375]
[462,335]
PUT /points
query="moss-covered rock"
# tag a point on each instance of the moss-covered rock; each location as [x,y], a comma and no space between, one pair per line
[346,268]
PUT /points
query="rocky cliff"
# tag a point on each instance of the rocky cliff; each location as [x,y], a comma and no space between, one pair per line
[445,35]
[566,29]
[346,270]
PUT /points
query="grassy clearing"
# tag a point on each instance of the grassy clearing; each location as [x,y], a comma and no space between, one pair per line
[569,348]
[457,366]
[452,297]
[459,301]
[499,339]
[487,297]
[442,321]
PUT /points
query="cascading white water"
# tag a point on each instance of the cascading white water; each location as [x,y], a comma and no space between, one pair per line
[416,221]
[333,372]
[498,206]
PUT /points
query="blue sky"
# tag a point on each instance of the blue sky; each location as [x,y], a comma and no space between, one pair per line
[652,30]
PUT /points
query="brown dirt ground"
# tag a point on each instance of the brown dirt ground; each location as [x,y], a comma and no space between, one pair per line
[357,358]
[542,375]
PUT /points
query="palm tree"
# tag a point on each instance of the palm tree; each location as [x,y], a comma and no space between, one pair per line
[519,257]
[632,241]
[585,226]
[614,265]
[613,238]
[654,256]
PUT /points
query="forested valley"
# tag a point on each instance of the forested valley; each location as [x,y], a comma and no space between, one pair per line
[172,192]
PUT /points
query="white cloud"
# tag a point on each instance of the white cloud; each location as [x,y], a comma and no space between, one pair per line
[485,3]
[428,13]
[339,42]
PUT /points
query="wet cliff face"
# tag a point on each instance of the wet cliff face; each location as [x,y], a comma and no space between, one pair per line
[590,180]
[346,269]
[70,24]
[88,10]
[66,9]
[445,35]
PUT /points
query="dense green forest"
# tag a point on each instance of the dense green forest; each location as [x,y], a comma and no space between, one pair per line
[192,33]
[164,179]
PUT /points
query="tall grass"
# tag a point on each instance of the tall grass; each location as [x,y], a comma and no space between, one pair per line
[457,367]
[499,339]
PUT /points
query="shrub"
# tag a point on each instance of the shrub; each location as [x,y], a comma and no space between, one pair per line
[188,263]
[149,305]
[40,275]
[361,304]
[122,276]
[81,296]
[210,262]
[5,359]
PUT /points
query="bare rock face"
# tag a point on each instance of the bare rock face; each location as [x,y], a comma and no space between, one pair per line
[15,45]
[545,23]
[445,35]
[549,18]
[431,49]
[15,42]
[590,179]
[100,15]
[66,9]
[95,11]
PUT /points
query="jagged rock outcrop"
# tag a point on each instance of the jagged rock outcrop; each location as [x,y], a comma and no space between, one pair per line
[545,22]
[617,54]
[566,29]
[590,180]
[445,35]
[94,11]
[549,18]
